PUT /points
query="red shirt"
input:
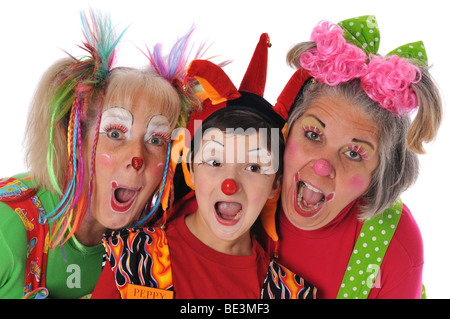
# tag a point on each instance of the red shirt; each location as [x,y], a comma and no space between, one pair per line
[199,271]
[322,255]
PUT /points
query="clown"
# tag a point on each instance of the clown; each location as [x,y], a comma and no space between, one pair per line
[205,249]
[98,144]
[350,152]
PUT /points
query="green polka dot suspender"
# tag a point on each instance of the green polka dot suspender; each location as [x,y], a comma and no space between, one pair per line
[368,253]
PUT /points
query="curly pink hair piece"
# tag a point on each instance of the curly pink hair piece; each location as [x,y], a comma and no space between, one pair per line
[388,82]
[385,80]
[334,60]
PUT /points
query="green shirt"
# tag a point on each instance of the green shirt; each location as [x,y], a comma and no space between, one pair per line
[72,270]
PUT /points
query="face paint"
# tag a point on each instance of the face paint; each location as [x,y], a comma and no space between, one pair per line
[261,155]
[230,188]
[333,129]
[158,128]
[357,152]
[322,167]
[116,123]
[357,184]
[105,160]
[312,128]
[212,151]
[263,158]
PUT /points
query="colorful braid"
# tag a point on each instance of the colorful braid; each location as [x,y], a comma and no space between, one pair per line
[161,190]
[70,98]
[172,67]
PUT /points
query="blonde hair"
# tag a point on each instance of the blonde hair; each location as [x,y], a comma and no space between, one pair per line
[399,140]
[128,86]
[38,129]
[125,85]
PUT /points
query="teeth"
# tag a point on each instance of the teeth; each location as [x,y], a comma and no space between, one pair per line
[311,188]
[300,200]
[236,217]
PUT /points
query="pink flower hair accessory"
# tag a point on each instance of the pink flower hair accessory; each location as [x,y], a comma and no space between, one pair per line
[349,51]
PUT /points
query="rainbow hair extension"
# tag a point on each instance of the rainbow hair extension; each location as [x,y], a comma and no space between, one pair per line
[161,190]
[71,96]
[172,67]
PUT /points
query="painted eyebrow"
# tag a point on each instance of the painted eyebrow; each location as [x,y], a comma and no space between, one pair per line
[365,142]
[120,112]
[318,120]
[158,120]
[353,140]
[262,155]
[217,142]
[258,150]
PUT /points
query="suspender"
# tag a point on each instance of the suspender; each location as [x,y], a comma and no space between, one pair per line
[27,205]
[368,253]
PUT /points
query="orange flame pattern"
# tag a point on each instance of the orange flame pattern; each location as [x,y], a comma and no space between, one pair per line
[139,256]
[281,283]
[159,252]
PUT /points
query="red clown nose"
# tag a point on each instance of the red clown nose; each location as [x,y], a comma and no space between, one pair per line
[229,187]
[137,162]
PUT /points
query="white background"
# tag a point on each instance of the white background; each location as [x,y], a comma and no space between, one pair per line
[35,33]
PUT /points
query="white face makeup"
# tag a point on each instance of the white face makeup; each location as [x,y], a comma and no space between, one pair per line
[127,134]
[158,126]
[213,146]
[264,158]
[232,185]
[116,120]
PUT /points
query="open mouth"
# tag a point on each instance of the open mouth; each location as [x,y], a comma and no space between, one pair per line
[309,200]
[122,198]
[228,213]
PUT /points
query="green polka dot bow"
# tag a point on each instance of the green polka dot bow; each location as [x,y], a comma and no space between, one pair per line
[364,33]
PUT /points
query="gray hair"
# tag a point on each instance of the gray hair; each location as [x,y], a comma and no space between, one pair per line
[399,140]
[398,166]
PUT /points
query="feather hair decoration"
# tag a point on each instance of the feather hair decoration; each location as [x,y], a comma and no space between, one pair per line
[173,68]
[68,107]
